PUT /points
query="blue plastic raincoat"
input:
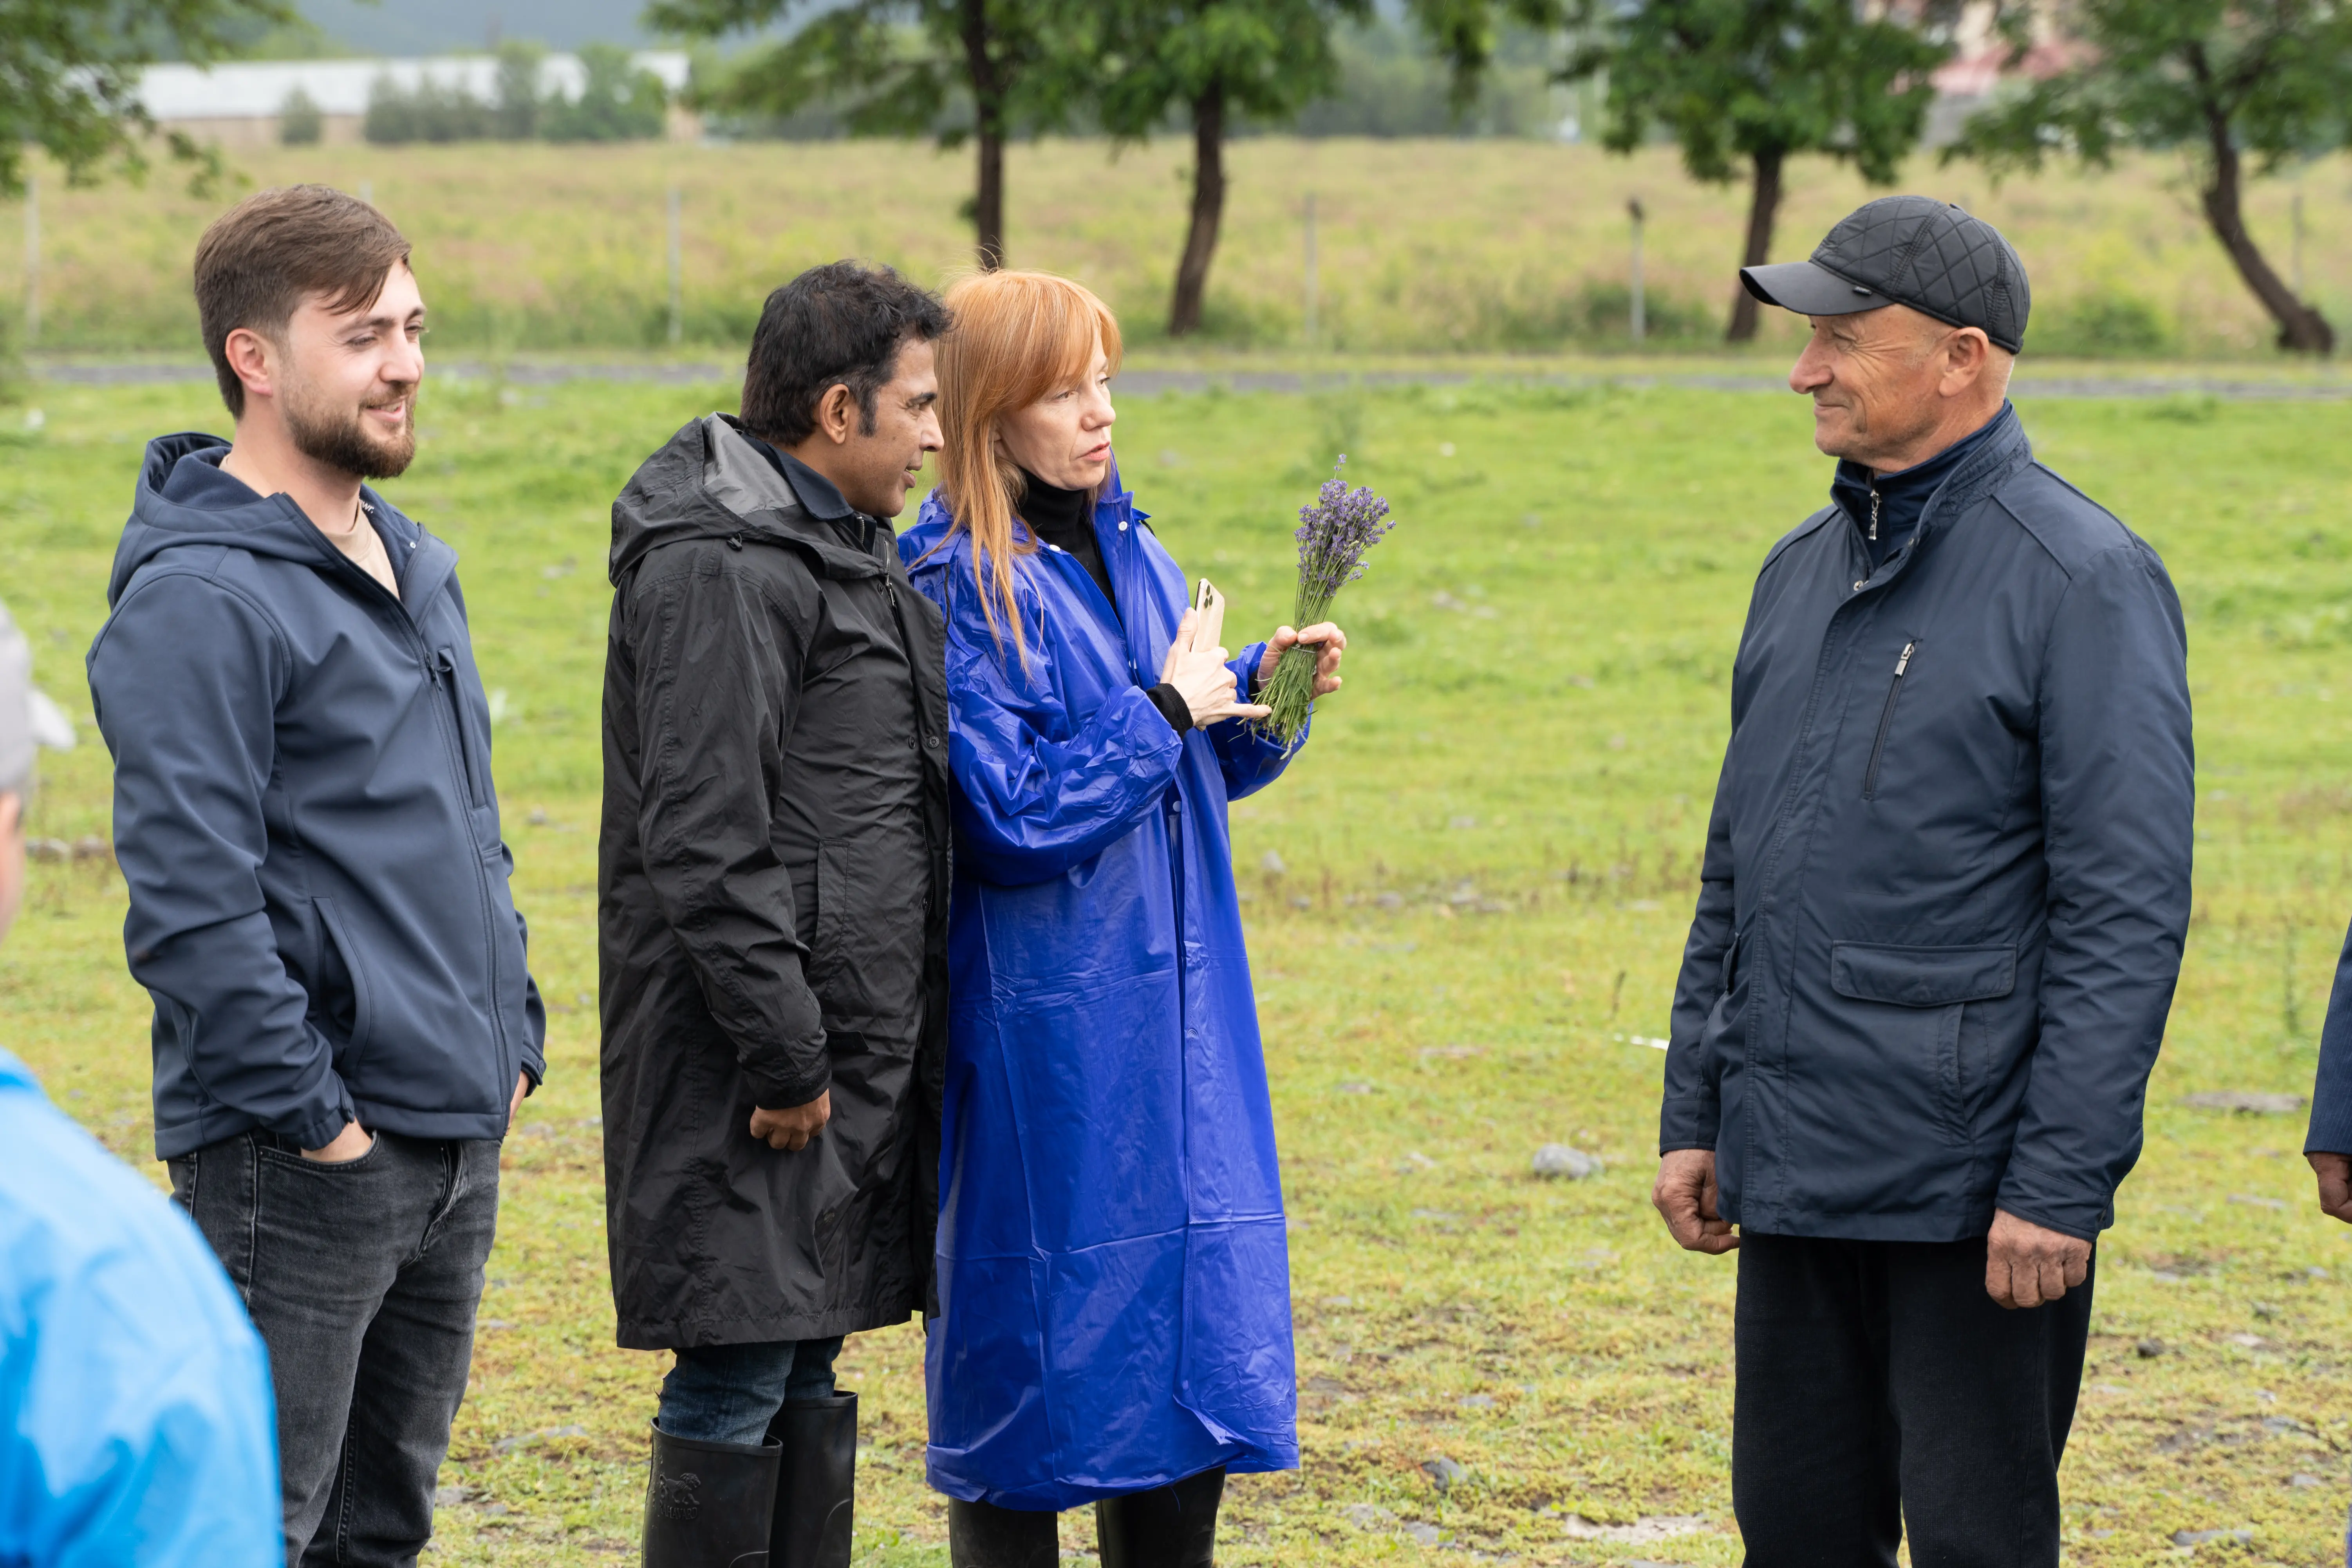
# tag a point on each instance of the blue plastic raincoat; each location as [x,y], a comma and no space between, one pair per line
[1114,1279]
[137,1428]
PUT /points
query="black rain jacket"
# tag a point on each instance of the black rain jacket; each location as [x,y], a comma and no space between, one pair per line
[1947,876]
[771,913]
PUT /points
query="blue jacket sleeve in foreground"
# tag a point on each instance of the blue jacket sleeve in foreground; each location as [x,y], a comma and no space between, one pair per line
[2119,795]
[1036,794]
[137,1428]
[2331,1094]
[185,680]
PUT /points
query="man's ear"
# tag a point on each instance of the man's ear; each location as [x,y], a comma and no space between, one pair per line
[1968,354]
[836,414]
[254,358]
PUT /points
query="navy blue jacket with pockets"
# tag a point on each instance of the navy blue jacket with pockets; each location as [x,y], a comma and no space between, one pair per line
[1946,874]
[303,812]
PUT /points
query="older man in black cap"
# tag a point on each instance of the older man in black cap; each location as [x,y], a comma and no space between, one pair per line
[1938,925]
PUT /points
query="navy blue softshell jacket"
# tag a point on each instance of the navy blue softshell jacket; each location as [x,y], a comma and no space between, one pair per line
[1946,874]
[303,812]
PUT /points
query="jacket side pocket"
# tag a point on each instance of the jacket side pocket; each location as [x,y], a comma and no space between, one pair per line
[342,998]
[1941,979]
[834,972]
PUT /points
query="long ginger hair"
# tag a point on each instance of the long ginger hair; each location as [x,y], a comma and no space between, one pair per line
[1018,336]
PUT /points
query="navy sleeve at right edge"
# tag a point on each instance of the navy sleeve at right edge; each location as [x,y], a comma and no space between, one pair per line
[184,680]
[2331,1095]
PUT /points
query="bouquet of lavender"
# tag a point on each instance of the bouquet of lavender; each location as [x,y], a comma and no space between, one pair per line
[1333,535]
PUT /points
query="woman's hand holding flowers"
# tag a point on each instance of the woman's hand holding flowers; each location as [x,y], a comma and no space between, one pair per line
[1202,678]
[1323,633]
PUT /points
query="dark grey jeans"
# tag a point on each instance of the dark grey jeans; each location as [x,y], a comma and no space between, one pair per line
[363,1278]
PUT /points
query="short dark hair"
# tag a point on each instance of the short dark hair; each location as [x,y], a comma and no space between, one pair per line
[836,325]
[259,258]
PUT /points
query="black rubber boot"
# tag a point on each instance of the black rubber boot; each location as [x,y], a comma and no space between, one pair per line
[982,1535]
[1172,1526]
[708,1505]
[816,1487]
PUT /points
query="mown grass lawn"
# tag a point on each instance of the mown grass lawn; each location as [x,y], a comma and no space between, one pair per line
[1466,903]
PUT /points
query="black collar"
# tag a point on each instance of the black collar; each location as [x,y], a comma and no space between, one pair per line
[818,496]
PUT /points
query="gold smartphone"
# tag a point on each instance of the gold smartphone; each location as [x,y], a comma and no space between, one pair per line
[1209,616]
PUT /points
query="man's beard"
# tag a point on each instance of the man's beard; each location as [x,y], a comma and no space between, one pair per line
[341,439]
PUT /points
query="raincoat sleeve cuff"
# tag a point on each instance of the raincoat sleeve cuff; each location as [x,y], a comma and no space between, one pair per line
[2063,1206]
[1245,671]
[784,1091]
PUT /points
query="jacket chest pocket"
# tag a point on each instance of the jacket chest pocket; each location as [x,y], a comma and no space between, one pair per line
[473,768]
[1933,987]
[1886,718]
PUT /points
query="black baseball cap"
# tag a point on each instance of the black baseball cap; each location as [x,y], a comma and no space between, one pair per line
[1907,251]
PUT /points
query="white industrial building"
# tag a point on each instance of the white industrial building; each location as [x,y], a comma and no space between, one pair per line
[239,104]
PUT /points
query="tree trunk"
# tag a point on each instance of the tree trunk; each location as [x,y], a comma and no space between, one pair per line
[1763,211]
[1208,210]
[988,136]
[988,200]
[2301,327]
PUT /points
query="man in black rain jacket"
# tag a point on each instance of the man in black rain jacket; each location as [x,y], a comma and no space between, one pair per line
[773,916]
[1939,921]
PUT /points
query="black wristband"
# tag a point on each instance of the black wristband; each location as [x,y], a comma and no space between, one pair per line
[1172,705]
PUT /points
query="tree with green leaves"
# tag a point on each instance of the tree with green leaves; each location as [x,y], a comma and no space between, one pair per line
[69,76]
[902,66]
[1736,83]
[2222,80]
[1756,82]
[618,101]
[1213,62]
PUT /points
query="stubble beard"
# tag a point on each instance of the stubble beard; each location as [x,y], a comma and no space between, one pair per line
[341,439]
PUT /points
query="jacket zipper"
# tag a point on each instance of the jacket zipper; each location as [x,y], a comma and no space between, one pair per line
[1885,719]
[1874,515]
[428,656]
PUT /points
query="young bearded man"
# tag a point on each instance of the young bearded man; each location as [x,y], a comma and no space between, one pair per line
[343,1024]
[773,916]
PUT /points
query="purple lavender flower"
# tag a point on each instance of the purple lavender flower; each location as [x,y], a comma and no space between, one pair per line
[1333,535]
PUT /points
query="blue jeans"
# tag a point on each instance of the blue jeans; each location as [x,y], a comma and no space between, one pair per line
[728,1393]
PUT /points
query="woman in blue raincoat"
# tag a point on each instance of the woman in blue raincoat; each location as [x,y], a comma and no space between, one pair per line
[1112,1270]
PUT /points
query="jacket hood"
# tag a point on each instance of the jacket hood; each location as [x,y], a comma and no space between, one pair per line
[213,509]
[707,483]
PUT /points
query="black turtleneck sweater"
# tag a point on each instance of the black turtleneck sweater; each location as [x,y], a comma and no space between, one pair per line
[1895,501]
[1065,520]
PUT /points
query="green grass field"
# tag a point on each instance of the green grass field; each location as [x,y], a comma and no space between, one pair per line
[1489,852]
[1425,245]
